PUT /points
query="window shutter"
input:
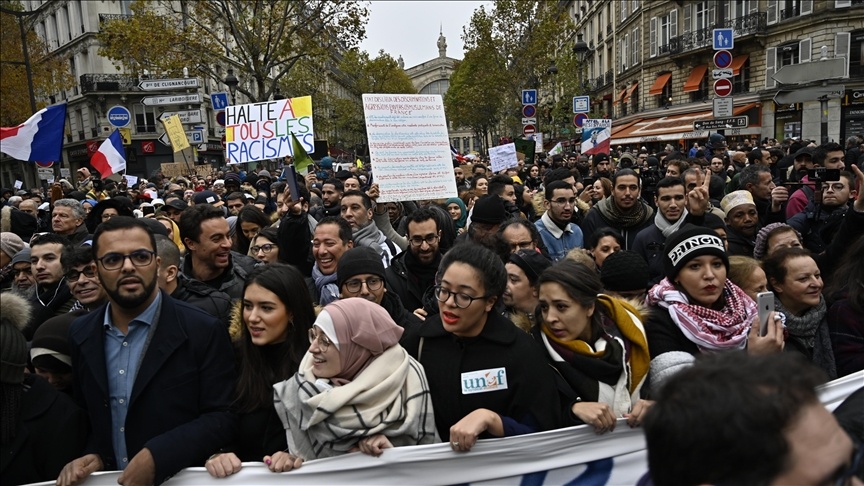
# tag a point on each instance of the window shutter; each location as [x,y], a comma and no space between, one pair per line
[753,6]
[623,10]
[687,18]
[806,7]
[842,48]
[805,50]
[842,3]
[652,37]
[635,5]
[673,24]
[772,12]
[770,67]
[712,15]
[635,47]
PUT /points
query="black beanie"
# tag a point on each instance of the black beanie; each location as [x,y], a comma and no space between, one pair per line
[624,271]
[50,348]
[358,261]
[489,209]
[688,243]
[532,262]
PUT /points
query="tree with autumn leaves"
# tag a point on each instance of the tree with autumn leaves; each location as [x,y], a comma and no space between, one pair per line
[50,72]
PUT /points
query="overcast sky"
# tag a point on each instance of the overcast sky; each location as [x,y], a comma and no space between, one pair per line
[410,28]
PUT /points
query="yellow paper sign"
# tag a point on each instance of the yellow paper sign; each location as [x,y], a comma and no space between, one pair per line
[176,134]
[126,135]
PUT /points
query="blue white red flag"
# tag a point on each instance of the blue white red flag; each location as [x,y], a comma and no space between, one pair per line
[38,139]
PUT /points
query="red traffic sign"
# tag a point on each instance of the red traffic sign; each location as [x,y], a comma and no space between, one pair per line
[220,118]
[224,145]
[579,119]
[45,164]
[723,87]
[529,130]
[722,59]
[529,111]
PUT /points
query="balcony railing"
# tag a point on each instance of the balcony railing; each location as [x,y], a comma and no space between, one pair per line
[107,82]
[755,23]
[789,13]
[609,76]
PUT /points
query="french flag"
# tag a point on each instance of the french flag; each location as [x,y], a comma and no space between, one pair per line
[111,156]
[39,139]
[456,155]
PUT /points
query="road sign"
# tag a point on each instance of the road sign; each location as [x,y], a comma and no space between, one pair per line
[45,174]
[160,84]
[186,116]
[45,164]
[195,137]
[223,141]
[126,135]
[722,73]
[163,139]
[119,116]
[724,39]
[219,100]
[581,104]
[529,111]
[579,119]
[721,123]
[723,87]
[809,94]
[722,107]
[220,118]
[171,99]
[722,59]
[529,96]
[529,121]
[807,72]
[529,129]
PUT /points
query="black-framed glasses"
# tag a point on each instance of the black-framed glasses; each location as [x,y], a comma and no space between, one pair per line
[73,275]
[266,248]
[461,300]
[372,283]
[845,475]
[323,341]
[419,240]
[139,258]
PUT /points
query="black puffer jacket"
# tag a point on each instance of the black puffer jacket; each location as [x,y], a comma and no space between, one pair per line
[204,297]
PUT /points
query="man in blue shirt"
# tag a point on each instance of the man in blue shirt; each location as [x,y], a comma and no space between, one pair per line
[558,233]
[155,375]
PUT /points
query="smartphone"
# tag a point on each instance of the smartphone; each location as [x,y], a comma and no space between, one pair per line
[587,181]
[765,303]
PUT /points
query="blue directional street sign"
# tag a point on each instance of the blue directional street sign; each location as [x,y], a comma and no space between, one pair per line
[219,100]
[529,96]
[724,39]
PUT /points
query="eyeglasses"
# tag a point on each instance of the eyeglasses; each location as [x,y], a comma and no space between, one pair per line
[419,240]
[461,300]
[139,258]
[323,341]
[372,283]
[89,271]
[836,187]
[844,475]
[561,201]
[265,248]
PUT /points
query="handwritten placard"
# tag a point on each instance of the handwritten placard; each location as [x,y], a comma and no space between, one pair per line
[131,180]
[18,184]
[261,131]
[173,169]
[503,157]
[409,146]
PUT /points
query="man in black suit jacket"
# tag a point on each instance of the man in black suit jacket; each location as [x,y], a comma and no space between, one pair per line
[155,375]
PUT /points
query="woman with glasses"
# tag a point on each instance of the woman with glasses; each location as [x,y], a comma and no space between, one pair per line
[265,247]
[597,344]
[487,377]
[270,338]
[250,220]
[356,388]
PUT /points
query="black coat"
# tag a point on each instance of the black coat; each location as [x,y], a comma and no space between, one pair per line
[531,396]
[204,297]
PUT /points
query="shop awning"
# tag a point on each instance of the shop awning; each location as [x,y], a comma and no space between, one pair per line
[621,95]
[630,91]
[695,79]
[659,84]
[737,62]
[677,127]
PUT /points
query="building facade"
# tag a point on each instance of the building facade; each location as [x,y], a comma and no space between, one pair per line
[650,66]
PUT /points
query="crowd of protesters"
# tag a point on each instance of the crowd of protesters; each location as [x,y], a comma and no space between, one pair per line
[213,320]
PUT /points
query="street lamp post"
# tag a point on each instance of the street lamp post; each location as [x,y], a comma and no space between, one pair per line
[581,50]
[231,81]
[552,71]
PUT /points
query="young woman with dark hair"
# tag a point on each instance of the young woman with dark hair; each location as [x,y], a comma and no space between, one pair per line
[270,340]
[250,220]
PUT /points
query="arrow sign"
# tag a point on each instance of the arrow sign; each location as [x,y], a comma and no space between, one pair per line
[160,84]
[807,72]
[186,116]
[164,140]
[171,100]
[721,123]
[808,94]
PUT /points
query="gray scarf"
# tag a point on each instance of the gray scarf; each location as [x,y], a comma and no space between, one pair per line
[369,236]
[810,330]
[665,226]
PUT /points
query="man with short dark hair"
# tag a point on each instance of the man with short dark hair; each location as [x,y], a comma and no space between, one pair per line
[331,197]
[331,239]
[52,296]
[209,258]
[235,202]
[155,376]
[174,208]
[412,273]
[357,210]
[770,199]
[558,233]
[819,222]
[625,211]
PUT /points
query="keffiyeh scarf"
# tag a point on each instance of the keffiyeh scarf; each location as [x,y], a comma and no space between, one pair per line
[711,330]
[390,397]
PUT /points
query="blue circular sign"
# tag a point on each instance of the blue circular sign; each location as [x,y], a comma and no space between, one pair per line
[722,59]
[529,111]
[220,118]
[579,119]
[119,116]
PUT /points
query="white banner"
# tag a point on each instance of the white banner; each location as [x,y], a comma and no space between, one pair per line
[503,157]
[575,455]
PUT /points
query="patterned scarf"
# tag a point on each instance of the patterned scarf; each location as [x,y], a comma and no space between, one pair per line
[328,291]
[638,214]
[709,329]
[811,331]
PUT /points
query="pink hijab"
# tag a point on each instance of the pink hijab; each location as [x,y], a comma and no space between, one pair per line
[363,331]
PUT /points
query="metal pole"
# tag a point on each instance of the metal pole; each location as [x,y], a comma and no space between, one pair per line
[823,126]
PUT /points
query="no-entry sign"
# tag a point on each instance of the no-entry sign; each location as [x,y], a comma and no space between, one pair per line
[723,87]
[529,130]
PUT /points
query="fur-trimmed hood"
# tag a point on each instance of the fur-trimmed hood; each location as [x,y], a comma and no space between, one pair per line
[16,310]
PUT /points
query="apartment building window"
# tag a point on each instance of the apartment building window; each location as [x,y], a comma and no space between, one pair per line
[80,117]
[634,4]
[855,42]
[622,50]
[779,10]
[625,7]
[741,80]
[126,7]
[662,30]
[739,8]
[634,47]
[145,118]
[634,99]
[700,15]
[785,55]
